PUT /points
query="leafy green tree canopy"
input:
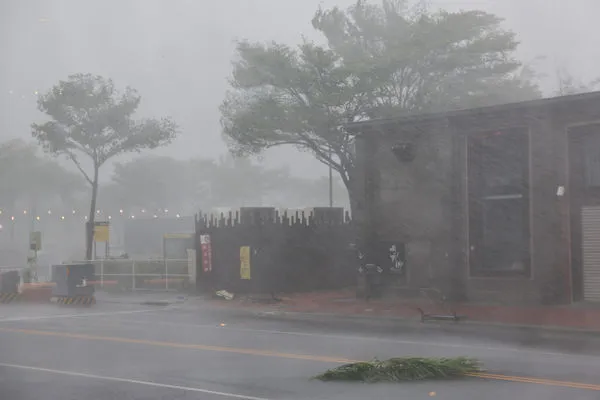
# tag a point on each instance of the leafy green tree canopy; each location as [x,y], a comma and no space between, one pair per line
[380,60]
[90,118]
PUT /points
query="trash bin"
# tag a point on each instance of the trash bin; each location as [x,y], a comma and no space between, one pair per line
[9,286]
[71,283]
[9,282]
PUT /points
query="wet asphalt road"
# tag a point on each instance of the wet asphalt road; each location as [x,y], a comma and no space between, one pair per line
[192,351]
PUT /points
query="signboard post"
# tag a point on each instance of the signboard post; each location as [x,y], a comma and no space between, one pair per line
[102,235]
[35,245]
[35,241]
[206,249]
[245,262]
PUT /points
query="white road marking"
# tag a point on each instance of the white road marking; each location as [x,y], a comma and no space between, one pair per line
[131,381]
[81,315]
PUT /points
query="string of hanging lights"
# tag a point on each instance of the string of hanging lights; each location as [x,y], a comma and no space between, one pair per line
[61,215]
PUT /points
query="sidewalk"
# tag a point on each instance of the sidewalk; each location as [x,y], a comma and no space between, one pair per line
[344,303]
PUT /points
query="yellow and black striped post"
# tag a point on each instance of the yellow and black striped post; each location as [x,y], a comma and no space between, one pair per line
[6,298]
[77,300]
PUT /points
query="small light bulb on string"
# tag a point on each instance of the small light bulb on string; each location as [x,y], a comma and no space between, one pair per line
[121,211]
[178,215]
[38,217]
[0,212]
[85,217]
[74,212]
[25,212]
[62,217]
[109,217]
[166,211]
[133,216]
[49,212]
[12,218]
[143,210]
[97,211]
[155,216]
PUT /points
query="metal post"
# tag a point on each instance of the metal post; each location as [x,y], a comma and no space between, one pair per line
[330,179]
[102,274]
[166,274]
[133,275]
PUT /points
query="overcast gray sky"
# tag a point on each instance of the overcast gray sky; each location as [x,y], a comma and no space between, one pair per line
[177,53]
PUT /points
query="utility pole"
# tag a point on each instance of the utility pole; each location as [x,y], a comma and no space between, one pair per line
[330,180]
[34,246]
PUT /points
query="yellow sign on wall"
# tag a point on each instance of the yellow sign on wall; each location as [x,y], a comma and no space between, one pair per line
[245,262]
[101,232]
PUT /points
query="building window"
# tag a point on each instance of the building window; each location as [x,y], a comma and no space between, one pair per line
[498,173]
[591,160]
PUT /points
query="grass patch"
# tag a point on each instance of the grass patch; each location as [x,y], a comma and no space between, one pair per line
[402,369]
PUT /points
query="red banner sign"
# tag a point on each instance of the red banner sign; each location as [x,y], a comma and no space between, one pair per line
[206,248]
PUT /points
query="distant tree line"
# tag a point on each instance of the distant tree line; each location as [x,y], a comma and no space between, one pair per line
[31,180]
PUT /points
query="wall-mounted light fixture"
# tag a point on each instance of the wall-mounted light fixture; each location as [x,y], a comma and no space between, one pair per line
[404,152]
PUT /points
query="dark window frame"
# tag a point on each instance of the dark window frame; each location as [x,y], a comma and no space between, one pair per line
[591,147]
[477,197]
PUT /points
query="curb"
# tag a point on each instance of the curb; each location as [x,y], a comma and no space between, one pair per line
[465,322]
[416,322]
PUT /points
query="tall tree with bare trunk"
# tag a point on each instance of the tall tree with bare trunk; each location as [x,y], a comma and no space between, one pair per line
[89,118]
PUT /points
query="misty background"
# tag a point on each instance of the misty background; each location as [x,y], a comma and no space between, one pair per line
[178,53]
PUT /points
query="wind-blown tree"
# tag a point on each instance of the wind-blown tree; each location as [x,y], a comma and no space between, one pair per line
[380,61]
[91,119]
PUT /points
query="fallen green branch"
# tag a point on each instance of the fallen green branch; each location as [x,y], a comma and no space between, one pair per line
[402,369]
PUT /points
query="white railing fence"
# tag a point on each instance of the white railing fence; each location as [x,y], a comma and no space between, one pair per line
[131,275]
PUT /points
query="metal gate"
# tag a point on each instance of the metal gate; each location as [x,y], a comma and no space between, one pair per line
[590,222]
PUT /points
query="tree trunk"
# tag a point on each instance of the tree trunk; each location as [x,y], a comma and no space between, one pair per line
[353,191]
[89,242]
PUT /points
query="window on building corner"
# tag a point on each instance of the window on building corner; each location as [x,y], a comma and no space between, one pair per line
[591,160]
[498,201]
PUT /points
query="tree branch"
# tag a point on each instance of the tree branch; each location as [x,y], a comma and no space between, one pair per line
[79,167]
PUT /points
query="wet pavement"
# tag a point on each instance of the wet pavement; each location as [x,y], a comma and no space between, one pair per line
[124,350]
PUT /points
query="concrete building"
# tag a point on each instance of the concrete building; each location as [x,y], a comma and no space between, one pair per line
[498,204]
